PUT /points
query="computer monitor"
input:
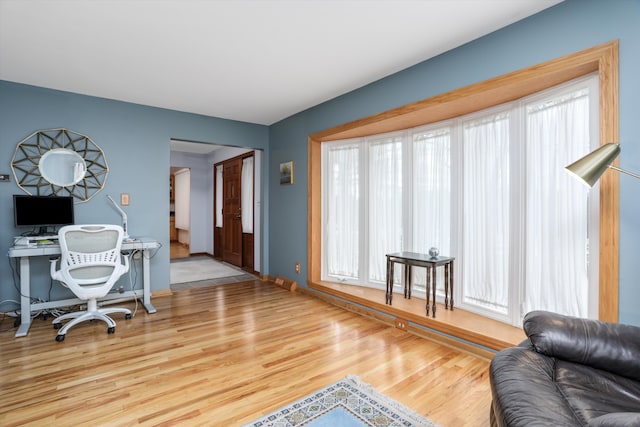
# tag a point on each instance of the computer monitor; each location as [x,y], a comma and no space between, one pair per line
[42,212]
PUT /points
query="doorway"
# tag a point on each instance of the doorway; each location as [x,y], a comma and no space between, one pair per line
[200,158]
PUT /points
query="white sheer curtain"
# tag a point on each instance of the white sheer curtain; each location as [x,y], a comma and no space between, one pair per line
[431,195]
[246,202]
[219,194]
[385,203]
[489,189]
[183,199]
[556,269]
[485,221]
[341,225]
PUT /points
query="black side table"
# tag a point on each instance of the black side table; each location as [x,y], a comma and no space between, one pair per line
[414,259]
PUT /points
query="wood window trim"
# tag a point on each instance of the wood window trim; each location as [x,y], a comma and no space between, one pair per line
[602,59]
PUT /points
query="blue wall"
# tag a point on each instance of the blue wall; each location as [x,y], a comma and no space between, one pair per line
[135,140]
[569,27]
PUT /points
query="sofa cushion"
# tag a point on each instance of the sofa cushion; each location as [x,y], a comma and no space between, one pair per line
[618,419]
[612,347]
[592,393]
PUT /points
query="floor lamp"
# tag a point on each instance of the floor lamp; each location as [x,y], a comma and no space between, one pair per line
[589,168]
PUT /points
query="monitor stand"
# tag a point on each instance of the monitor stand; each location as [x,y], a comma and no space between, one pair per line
[43,231]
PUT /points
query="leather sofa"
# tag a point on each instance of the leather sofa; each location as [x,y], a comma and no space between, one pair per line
[569,372]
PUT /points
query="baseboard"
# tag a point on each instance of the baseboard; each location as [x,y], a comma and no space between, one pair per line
[285,283]
[402,325]
[202,254]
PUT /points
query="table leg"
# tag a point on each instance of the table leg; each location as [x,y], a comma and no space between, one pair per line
[433,303]
[446,286]
[386,294]
[428,286]
[451,288]
[391,274]
[408,280]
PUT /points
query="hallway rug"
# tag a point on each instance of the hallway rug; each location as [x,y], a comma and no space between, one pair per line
[200,268]
[346,403]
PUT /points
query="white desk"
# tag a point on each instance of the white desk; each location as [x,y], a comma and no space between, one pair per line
[146,245]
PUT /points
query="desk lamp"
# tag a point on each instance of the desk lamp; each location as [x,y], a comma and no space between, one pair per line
[124,218]
[589,168]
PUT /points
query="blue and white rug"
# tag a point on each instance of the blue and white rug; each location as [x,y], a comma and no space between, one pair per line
[346,403]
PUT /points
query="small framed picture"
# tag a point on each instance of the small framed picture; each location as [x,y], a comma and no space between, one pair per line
[286,173]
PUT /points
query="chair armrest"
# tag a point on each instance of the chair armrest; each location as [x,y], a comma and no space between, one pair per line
[612,347]
[125,256]
[53,261]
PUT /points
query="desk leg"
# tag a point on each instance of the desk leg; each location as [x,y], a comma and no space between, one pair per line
[25,297]
[433,290]
[146,282]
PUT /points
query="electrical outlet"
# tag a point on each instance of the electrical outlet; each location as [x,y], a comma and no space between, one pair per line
[298,267]
[124,199]
[4,177]
[401,324]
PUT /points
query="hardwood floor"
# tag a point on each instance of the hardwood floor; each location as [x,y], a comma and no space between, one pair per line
[223,356]
[178,250]
[458,323]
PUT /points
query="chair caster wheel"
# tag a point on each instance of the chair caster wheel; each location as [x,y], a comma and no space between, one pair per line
[57,326]
[60,338]
[127,316]
[111,330]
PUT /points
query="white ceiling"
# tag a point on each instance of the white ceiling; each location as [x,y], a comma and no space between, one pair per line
[257,61]
[193,147]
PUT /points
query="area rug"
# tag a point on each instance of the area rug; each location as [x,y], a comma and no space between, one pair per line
[346,403]
[200,268]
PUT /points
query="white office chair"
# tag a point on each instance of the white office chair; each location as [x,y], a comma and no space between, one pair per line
[90,264]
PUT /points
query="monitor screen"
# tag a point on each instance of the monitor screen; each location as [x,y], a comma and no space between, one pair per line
[42,211]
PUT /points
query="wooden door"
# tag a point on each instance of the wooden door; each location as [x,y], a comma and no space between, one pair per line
[231,214]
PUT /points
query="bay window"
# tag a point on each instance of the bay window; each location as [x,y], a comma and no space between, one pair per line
[488,188]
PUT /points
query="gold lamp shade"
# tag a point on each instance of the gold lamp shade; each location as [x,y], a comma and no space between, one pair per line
[589,168]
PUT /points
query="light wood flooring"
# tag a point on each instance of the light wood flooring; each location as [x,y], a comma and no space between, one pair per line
[223,356]
[178,250]
[462,324]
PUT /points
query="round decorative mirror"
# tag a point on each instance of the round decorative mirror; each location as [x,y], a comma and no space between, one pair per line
[62,167]
[59,162]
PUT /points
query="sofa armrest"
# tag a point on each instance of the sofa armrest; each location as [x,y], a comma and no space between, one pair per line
[524,391]
[612,347]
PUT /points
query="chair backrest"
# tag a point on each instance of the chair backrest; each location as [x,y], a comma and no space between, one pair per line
[90,253]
